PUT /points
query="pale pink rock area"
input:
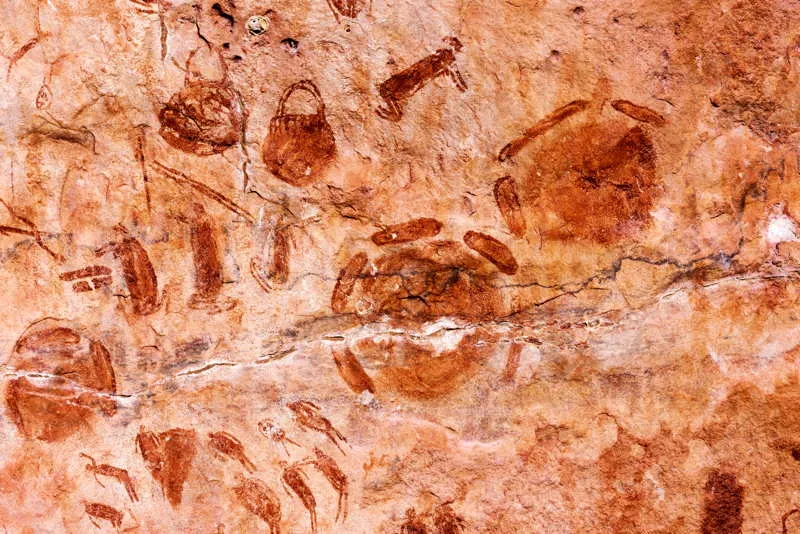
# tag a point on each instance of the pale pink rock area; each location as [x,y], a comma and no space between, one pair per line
[400,267]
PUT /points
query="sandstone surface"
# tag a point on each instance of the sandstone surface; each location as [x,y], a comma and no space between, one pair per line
[519,266]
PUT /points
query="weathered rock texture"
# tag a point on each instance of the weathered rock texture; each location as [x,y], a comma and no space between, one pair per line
[400,266]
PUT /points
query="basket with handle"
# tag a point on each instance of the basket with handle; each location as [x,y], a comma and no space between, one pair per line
[205,117]
[299,146]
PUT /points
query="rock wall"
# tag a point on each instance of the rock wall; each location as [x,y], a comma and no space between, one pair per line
[519,266]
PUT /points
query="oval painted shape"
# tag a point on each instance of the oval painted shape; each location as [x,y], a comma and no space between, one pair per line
[439,279]
[206,256]
[76,380]
[347,281]
[505,195]
[423,373]
[352,372]
[639,113]
[49,413]
[260,500]
[104,377]
[279,270]
[407,231]
[57,339]
[493,250]
[138,272]
[203,118]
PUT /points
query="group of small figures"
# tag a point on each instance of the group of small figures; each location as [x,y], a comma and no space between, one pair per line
[169,455]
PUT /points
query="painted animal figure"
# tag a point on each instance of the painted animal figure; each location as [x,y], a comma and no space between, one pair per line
[228,445]
[400,87]
[308,415]
[114,472]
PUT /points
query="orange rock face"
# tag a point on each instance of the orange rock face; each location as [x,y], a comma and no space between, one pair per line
[400,267]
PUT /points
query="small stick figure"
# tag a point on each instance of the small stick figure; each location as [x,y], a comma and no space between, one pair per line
[336,477]
[230,446]
[110,471]
[96,510]
[307,414]
[260,500]
[294,478]
[275,433]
